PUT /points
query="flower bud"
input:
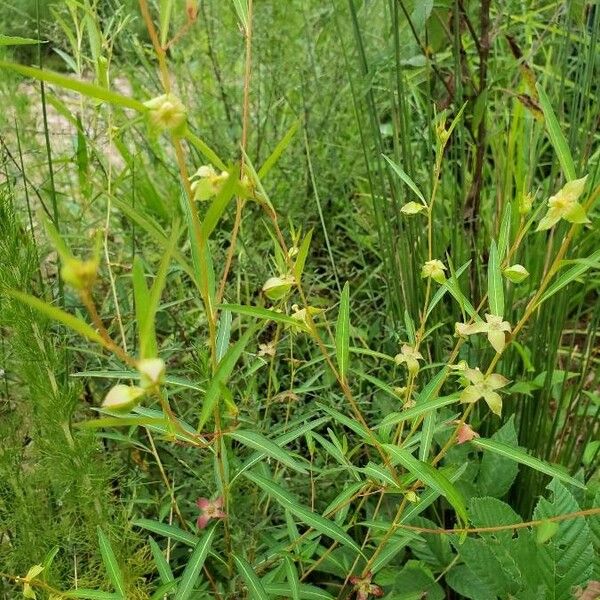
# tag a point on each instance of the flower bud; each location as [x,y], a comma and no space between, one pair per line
[167,112]
[81,274]
[122,397]
[152,371]
[276,288]
[516,273]
[412,208]
[434,269]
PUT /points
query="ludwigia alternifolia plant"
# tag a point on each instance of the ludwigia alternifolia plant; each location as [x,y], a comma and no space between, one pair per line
[262,495]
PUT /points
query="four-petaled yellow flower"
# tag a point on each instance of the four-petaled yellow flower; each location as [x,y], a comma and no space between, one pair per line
[206,182]
[410,356]
[564,205]
[484,386]
[435,269]
[494,326]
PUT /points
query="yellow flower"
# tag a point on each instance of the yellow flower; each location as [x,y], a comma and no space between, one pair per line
[410,356]
[484,387]
[28,591]
[434,269]
[81,274]
[206,182]
[494,326]
[167,112]
[564,205]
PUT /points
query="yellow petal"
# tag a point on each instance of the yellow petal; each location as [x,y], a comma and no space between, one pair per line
[497,340]
[576,214]
[494,401]
[496,381]
[470,394]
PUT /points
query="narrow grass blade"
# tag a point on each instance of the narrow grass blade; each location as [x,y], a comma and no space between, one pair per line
[406,179]
[169,531]
[495,284]
[525,459]
[194,565]
[162,566]
[56,314]
[559,143]
[264,445]
[307,516]
[256,591]
[279,150]
[431,477]
[222,374]
[342,333]
[110,563]
[88,90]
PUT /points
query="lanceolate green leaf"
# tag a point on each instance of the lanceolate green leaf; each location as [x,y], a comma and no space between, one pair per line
[556,136]
[307,516]
[278,151]
[417,411]
[194,565]
[262,313]
[162,566]
[256,591]
[495,285]
[89,90]
[342,333]
[429,476]
[219,204]
[292,578]
[307,592]
[224,370]
[504,234]
[11,40]
[523,458]
[52,312]
[166,530]
[91,595]
[406,179]
[110,563]
[259,442]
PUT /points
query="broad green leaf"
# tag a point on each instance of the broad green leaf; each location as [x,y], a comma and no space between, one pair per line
[166,530]
[307,516]
[110,563]
[264,445]
[194,565]
[88,90]
[417,411]
[559,143]
[523,458]
[495,284]
[162,566]
[221,376]
[56,314]
[279,150]
[406,179]
[429,476]
[342,333]
[263,313]
[256,591]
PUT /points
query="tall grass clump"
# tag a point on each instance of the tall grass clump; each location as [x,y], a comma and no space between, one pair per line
[306,322]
